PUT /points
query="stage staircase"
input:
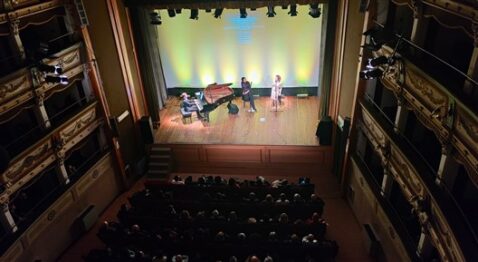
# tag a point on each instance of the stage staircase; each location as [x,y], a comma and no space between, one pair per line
[160,162]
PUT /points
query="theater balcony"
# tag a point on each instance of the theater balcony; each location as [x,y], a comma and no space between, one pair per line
[411,179]
[33,30]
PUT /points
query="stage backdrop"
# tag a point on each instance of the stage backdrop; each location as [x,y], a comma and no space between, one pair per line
[195,53]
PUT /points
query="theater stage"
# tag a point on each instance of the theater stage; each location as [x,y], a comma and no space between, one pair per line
[283,142]
[294,124]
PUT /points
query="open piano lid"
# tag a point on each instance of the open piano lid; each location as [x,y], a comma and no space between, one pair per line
[214,92]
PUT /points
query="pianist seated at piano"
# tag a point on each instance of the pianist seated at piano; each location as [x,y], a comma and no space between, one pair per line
[190,105]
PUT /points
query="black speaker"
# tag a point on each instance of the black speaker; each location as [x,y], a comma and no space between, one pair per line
[324,131]
[146,126]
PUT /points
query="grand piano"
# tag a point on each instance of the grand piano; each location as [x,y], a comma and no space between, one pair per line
[213,96]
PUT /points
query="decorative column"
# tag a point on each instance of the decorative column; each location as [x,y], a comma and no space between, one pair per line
[469,88]
[387,183]
[420,24]
[86,83]
[425,245]
[60,167]
[16,40]
[40,110]
[401,117]
[6,219]
[448,167]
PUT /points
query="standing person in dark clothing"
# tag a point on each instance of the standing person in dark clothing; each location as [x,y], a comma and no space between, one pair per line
[247,94]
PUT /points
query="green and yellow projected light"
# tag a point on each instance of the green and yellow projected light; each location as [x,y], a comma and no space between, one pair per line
[195,53]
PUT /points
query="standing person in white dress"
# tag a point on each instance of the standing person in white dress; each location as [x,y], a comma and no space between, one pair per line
[276,91]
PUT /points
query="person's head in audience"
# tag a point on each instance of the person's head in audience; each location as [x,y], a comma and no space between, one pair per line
[251,220]
[294,238]
[218,180]
[298,198]
[313,197]
[268,259]
[282,198]
[171,209]
[189,180]
[233,259]
[177,180]
[252,197]
[253,258]
[210,180]
[231,182]
[135,228]
[215,214]
[283,218]
[241,236]
[202,180]
[185,215]
[272,236]
[201,214]
[232,216]
[220,236]
[315,218]
[260,180]
[180,258]
[269,198]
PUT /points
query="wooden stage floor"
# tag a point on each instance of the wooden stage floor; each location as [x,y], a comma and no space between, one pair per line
[294,124]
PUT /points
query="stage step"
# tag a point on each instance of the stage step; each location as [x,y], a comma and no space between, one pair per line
[160,162]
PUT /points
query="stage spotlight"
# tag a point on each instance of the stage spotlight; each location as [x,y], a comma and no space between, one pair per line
[314,10]
[208,10]
[155,18]
[57,79]
[56,69]
[374,62]
[178,11]
[218,12]
[243,13]
[270,11]
[293,10]
[371,74]
[194,14]
[171,13]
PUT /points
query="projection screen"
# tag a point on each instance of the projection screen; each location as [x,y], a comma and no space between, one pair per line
[195,53]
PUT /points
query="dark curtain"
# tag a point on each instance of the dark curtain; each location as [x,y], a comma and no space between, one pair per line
[146,38]
[330,18]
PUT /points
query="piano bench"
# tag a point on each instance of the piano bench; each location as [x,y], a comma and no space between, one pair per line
[186,115]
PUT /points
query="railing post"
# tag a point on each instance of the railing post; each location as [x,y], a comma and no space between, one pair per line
[401,117]
[387,183]
[7,220]
[448,167]
[469,88]
[425,245]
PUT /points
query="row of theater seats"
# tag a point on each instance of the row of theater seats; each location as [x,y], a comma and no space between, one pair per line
[216,220]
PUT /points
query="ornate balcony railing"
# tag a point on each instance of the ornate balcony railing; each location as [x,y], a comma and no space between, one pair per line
[441,218]
[437,109]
